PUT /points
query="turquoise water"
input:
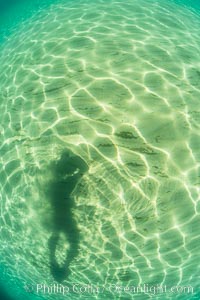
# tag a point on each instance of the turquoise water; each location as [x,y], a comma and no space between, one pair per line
[99,149]
[13,12]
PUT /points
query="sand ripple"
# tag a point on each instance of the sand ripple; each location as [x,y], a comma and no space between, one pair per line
[119,85]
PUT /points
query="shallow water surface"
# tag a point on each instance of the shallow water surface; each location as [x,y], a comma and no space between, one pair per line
[99,150]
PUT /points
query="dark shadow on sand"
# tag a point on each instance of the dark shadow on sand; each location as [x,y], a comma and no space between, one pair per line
[67,172]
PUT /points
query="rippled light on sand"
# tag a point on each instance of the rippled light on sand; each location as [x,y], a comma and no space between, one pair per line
[117,84]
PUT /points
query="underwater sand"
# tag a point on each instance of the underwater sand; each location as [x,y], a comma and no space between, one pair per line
[118,84]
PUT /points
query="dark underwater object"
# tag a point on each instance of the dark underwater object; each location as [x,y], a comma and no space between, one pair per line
[67,172]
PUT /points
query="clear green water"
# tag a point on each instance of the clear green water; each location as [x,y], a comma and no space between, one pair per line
[99,149]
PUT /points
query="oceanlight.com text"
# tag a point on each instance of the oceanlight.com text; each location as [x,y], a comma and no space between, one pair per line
[77,288]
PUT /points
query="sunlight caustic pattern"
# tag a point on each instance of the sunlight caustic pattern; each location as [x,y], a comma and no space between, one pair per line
[117,83]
